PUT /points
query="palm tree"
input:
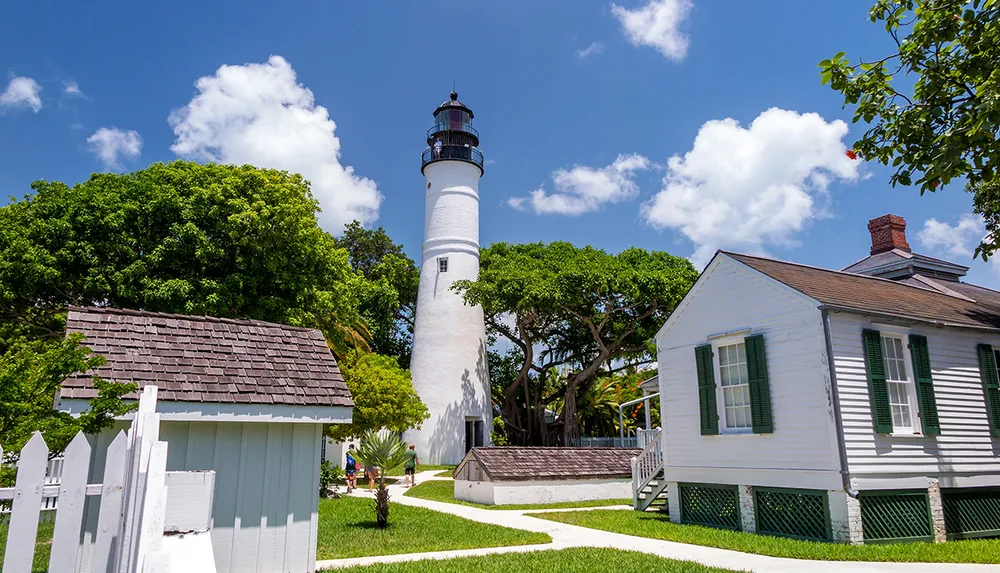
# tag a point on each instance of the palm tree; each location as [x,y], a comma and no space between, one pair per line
[385,450]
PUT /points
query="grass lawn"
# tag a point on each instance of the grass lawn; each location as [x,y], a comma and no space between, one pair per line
[347,529]
[658,526]
[577,560]
[445,474]
[421,468]
[440,490]
[43,546]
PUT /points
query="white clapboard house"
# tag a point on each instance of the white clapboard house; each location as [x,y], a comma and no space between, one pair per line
[245,398]
[858,405]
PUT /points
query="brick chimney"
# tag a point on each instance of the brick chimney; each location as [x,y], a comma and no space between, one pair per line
[888,233]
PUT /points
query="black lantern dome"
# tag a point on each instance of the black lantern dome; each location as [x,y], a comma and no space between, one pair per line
[452,138]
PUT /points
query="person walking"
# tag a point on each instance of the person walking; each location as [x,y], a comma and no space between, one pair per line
[410,467]
[351,470]
[372,473]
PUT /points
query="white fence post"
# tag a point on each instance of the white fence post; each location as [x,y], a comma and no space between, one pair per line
[109,518]
[72,497]
[132,512]
[23,528]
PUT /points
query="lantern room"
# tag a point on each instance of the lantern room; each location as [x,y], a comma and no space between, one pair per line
[452,137]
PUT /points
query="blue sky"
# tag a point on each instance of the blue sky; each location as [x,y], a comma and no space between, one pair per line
[602,124]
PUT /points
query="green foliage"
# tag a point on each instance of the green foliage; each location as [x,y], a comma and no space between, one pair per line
[383,396]
[389,303]
[576,560]
[574,308]
[219,240]
[933,104]
[986,202]
[658,526]
[444,491]
[381,448]
[385,450]
[30,373]
[498,437]
[329,474]
[346,530]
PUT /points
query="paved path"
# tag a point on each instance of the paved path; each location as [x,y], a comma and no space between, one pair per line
[565,536]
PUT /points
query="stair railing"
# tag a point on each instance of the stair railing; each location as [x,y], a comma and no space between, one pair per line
[646,465]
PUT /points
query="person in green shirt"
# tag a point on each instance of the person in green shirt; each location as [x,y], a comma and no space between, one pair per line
[410,467]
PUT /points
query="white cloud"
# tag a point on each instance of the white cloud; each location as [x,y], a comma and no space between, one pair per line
[744,188]
[259,114]
[959,240]
[657,24]
[584,189]
[21,92]
[72,88]
[592,49]
[111,145]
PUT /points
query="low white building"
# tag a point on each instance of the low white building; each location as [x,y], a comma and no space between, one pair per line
[247,399]
[522,475]
[834,405]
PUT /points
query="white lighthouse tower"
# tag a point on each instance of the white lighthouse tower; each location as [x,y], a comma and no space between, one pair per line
[449,337]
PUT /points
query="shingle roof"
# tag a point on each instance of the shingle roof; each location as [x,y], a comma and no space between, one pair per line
[206,359]
[863,293]
[521,463]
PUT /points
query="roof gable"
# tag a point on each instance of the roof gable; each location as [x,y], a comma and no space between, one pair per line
[206,359]
[720,258]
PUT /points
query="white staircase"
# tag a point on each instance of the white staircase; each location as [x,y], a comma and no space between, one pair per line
[649,488]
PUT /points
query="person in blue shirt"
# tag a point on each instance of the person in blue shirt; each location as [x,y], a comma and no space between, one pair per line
[351,470]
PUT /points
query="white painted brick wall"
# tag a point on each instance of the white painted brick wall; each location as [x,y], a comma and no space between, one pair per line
[937,509]
[746,509]
[674,501]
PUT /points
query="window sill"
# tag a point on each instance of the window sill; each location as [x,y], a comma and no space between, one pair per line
[747,432]
[905,435]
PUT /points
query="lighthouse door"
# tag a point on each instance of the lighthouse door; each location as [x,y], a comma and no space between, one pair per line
[474,434]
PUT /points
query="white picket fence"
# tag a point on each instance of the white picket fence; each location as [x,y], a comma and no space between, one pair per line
[132,505]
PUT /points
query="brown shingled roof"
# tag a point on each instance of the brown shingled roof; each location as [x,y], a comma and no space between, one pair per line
[522,463]
[863,293]
[206,359]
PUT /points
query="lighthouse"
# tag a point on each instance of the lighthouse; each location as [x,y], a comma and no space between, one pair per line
[448,364]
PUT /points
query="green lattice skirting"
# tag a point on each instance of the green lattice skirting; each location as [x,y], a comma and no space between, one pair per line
[711,505]
[894,515]
[796,513]
[971,512]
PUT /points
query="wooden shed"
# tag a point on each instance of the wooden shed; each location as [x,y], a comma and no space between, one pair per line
[525,475]
[247,399]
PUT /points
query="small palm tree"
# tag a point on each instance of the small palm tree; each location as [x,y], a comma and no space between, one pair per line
[385,450]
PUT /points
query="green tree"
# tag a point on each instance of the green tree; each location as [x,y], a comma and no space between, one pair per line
[385,450]
[933,104]
[383,396]
[580,307]
[389,304]
[219,240]
[30,374]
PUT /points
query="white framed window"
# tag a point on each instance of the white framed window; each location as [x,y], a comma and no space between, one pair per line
[733,399]
[442,264]
[899,380]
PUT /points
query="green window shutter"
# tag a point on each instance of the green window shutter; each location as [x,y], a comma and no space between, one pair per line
[991,387]
[925,384]
[706,390]
[760,393]
[878,392]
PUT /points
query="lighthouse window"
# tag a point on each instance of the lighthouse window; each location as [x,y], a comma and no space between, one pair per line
[443,265]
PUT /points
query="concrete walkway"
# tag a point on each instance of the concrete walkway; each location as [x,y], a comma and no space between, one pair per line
[565,536]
